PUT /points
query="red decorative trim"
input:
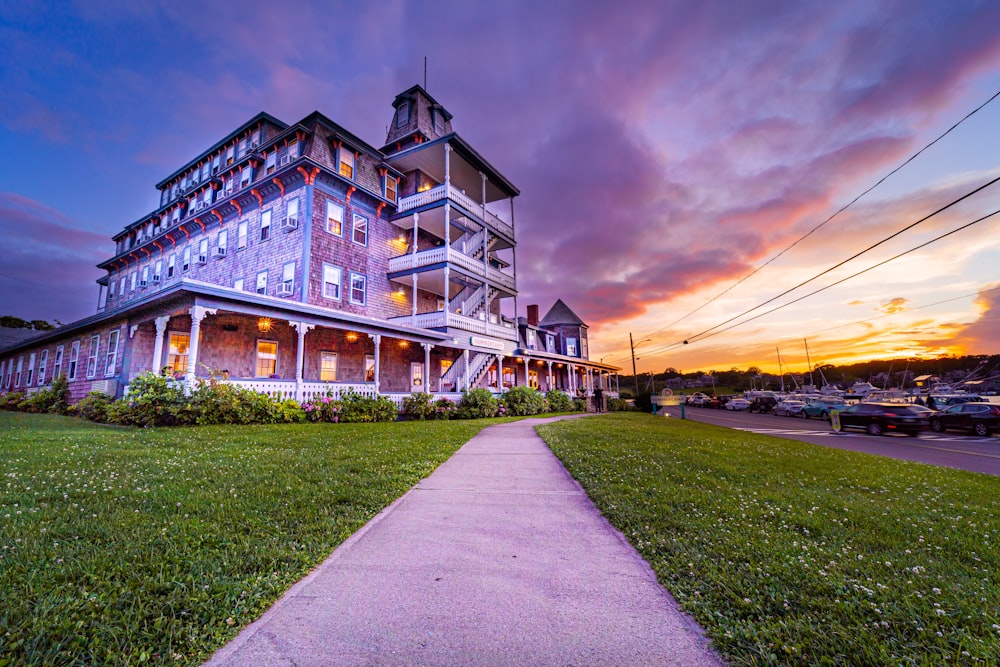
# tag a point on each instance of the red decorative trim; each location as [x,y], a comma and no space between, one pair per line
[158,246]
[239,209]
[309,176]
[378,211]
[382,171]
[281,186]
[260,198]
[187,235]
[350,192]
[200,223]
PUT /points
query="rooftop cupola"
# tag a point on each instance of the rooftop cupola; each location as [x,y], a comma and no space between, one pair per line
[417,118]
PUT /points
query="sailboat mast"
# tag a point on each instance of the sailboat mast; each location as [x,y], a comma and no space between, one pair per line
[781,374]
[809,363]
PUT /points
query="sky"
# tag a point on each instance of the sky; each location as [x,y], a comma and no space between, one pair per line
[669,153]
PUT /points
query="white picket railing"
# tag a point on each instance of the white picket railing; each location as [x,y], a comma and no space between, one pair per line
[473,207]
[446,254]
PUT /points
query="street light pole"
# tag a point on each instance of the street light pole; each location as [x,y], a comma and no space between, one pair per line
[634,375]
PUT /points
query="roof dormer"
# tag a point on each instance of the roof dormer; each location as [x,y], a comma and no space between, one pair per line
[417,118]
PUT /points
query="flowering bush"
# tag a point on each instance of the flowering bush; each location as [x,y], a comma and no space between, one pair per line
[93,406]
[10,400]
[221,403]
[418,405]
[326,409]
[358,408]
[152,400]
[444,409]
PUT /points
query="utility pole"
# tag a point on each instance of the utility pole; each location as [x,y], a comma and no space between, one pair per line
[635,377]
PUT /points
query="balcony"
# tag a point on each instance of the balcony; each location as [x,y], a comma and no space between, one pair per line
[450,255]
[474,208]
[447,319]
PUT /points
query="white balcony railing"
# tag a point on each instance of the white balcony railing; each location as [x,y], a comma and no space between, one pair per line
[446,254]
[441,319]
[473,207]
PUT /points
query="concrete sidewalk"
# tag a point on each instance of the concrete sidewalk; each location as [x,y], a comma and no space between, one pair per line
[497,558]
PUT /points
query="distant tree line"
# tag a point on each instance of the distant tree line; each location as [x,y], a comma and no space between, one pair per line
[11,322]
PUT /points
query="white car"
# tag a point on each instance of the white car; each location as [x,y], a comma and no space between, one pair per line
[790,408]
[738,404]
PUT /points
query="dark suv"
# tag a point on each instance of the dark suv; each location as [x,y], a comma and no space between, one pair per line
[980,418]
[879,418]
[762,404]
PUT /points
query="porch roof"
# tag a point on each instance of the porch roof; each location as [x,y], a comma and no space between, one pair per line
[563,359]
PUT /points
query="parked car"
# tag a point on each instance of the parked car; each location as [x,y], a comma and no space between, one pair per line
[979,418]
[789,408]
[762,404]
[821,408]
[879,418]
[698,399]
[737,404]
[941,401]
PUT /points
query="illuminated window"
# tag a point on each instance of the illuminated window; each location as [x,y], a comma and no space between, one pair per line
[391,186]
[267,358]
[346,162]
[369,368]
[328,366]
[177,356]
[334,218]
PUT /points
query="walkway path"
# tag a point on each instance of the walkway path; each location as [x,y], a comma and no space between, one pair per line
[497,558]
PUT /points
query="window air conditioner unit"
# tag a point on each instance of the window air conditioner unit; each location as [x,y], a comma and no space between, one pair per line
[142,283]
[201,259]
[283,160]
[284,289]
[290,223]
[156,277]
[220,253]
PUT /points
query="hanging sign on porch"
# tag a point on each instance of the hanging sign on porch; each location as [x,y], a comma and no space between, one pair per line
[488,343]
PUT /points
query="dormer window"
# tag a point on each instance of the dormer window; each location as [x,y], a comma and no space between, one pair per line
[403,114]
[438,122]
[229,155]
[215,164]
[270,161]
[346,162]
[391,188]
[293,150]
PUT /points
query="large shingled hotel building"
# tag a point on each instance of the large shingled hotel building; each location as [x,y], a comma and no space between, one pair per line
[299,259]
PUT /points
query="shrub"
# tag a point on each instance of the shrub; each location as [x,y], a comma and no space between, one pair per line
[559,401]
[93,406]
[523,401]
[618,405]
[579,405]
[477,403]
[10,400]
[358,408]
[289,411]
[52,399]
[152,400]
[418,405]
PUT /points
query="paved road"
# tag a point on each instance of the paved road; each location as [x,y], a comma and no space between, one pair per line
[498,558]
[952,450]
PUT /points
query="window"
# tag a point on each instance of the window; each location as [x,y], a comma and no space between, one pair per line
[132,281]
[267,358]
[246,176]
[43,361]
[287,277]
[328,366]
[391,187]
[157,270]
[207,198]
[95,345]
[530,336]
[177,355]
[571,347]
[358,287]
[230,152]
[403,114]
[223,240]
[238,284]
[121,286]
[255,139]
[241,235]
[346,162]
[186,263]
[332,277]
[171,262]
[533,379]
[262,282]
[242,148]
[360,232]
[369,368]
[292,211]
[31,370]
[438,122]
[265,225]
[58,362]
[112,357]
[269,161]
[204,171]
[334,218]
[215,164]
[203,251]
[111,289]
[145,275]
[17,377]
[293,150]
[74,356]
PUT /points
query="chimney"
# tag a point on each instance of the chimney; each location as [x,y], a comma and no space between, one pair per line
[533,315]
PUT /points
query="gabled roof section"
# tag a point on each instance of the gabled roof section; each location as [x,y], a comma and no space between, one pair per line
[560,313]
[341,133]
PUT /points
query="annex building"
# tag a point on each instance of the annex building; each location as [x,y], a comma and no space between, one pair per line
[298,259]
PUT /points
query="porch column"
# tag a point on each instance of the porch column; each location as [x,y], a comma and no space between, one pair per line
[300,351]
[413,319]
[500,373]
[447,292]
[161,328]
[467,374]
[447,224]
[377,338]
[617,385]
[447,168]
[550,375]
[416,227]
[198,313]
[427,368]
[571,377]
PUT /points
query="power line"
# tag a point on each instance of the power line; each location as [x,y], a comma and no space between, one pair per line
[829,219]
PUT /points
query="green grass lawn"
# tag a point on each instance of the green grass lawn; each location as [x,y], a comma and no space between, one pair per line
[127,546]
[788,553]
